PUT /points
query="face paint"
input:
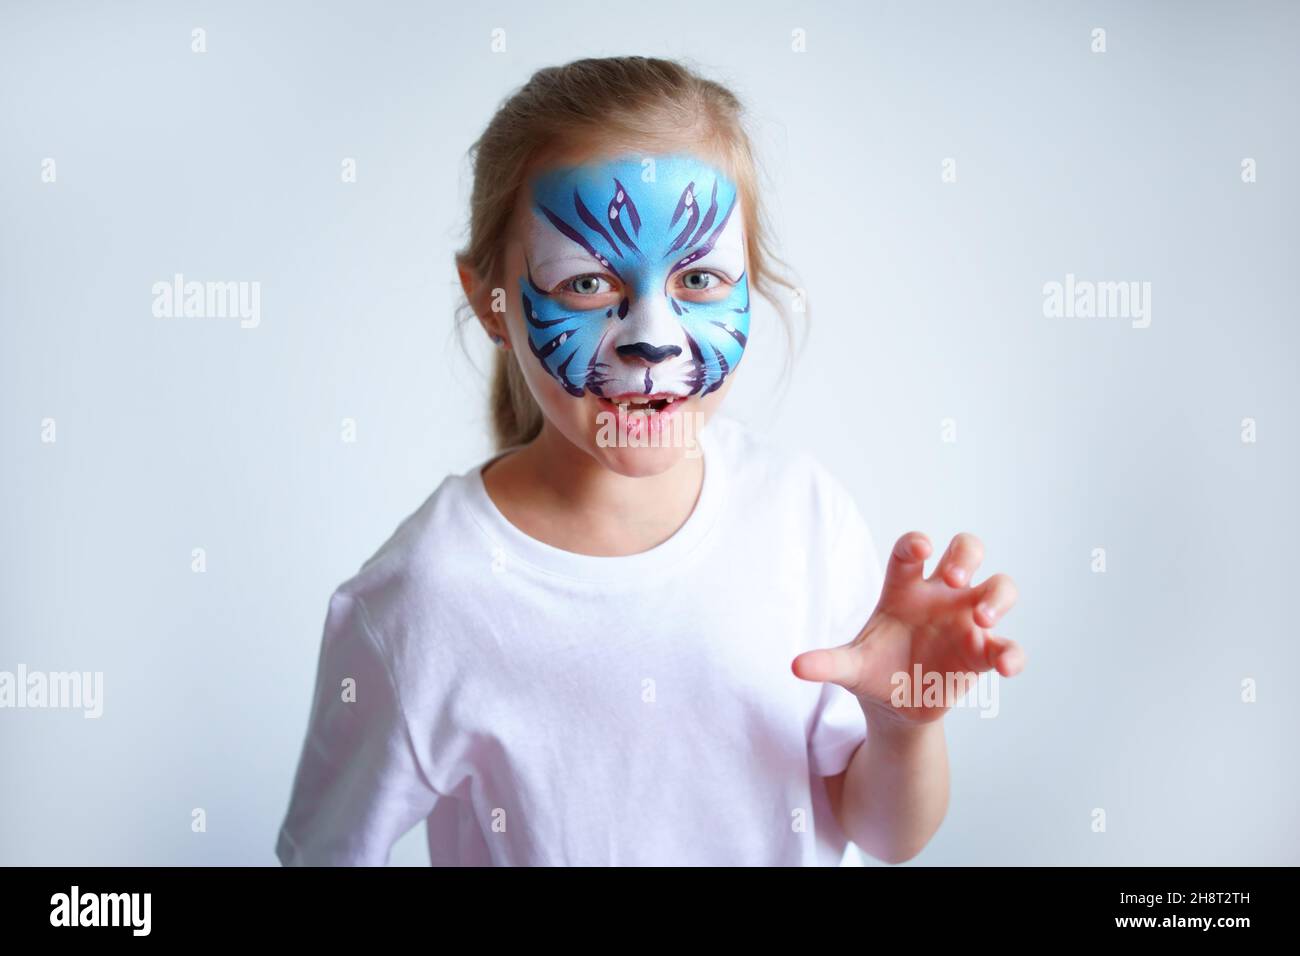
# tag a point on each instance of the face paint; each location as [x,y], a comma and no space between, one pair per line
[615,294]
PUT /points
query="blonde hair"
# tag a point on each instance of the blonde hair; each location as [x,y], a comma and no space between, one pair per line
[631,100]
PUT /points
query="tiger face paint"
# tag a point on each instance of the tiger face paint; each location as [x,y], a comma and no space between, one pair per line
[634,286]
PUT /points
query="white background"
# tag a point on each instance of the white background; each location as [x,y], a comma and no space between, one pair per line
[926,304]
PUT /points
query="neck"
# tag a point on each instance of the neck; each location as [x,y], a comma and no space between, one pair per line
[557,493]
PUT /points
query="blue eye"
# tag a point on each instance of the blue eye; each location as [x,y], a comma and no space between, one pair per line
[699,281]
[588,285]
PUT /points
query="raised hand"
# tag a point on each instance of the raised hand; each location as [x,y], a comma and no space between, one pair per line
[941,623]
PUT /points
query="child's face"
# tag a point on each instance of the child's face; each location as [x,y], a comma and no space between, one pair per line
[626,285]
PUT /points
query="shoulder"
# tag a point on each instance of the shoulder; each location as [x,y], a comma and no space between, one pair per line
[788,503]
[409,585]
[781,474]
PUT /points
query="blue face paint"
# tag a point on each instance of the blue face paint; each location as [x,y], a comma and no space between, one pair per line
[654,323]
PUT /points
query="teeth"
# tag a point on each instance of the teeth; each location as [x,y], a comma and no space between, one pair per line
[638,402]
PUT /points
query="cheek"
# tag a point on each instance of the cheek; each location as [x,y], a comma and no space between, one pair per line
[720,328]
[566,411]
[544,383]
[561,341]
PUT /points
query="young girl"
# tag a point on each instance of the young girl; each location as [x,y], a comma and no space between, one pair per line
[639,634]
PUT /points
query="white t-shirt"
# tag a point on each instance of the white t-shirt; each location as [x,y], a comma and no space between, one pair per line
[540,707]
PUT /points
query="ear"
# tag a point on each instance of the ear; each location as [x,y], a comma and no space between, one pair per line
[480,297]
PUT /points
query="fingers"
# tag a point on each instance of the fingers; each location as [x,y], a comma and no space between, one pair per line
[907,560]
[1004,655]
[981,651]
[958,564]
[993,599]
[975,651]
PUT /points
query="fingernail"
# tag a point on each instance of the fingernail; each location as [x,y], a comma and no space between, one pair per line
[989,612]
[958,574]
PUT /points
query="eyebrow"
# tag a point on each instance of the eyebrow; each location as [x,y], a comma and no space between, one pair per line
[725,259]
[564,257]
[707,248]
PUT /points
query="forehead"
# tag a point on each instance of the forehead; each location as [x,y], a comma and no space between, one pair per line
[655,175]
[634,214]
[654,181]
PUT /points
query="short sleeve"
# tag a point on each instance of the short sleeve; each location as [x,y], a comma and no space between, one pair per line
[853,587]
[358,786]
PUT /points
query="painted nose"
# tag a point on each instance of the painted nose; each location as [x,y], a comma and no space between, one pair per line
[653,354]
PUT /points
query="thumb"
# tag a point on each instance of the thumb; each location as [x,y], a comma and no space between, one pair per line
[837,665]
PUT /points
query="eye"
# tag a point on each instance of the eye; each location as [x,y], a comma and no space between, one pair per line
[587,285]
[701,285]
[699,281]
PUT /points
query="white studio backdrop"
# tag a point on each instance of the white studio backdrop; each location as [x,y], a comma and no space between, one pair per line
[930,169]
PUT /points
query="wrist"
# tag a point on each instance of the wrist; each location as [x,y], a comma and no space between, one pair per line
[886,724]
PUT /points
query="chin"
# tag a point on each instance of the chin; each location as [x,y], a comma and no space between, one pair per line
[638,462]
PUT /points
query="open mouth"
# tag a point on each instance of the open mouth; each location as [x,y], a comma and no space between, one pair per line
[656,404]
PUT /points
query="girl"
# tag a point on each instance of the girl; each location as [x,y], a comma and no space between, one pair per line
[639,634]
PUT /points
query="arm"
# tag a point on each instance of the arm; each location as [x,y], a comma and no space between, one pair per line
[894,793]
[359,785]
